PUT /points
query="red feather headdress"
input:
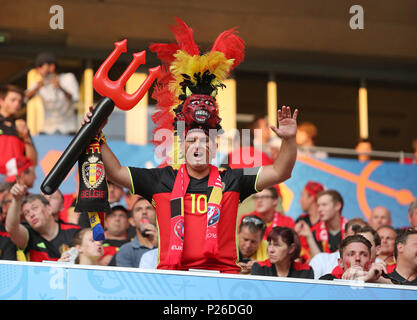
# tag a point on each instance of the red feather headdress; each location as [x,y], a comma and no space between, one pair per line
[187,75]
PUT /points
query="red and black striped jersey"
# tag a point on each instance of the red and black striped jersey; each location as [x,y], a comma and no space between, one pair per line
[156,186]
[297,270]
[39,249]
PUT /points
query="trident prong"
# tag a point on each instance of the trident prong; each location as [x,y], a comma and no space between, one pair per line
[115,89]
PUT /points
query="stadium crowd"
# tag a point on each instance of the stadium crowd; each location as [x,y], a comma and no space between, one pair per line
[319,244]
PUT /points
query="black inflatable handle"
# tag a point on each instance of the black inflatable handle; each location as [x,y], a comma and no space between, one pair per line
[78,144]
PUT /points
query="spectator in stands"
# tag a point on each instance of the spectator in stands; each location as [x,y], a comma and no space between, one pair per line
[324,262]
[326,235]
[372,236]
[42,237]
[5,204]
[15,139]
[7,247]
[89,251]
[59,93]
[405,272]
[283,249]
[27,177]
[380,216]
[5,188]
[308,202]
[413,158]
[363,148]
[265,203]
[130,199]
[412,214]
[355,261]
[116,225]
[261,135]
[25,172]
[388,236]
[252,247]
[144,220]
[306,135]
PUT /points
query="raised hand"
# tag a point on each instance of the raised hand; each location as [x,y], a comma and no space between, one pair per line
[287,124]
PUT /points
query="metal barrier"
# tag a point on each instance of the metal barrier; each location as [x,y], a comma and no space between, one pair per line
[375,154]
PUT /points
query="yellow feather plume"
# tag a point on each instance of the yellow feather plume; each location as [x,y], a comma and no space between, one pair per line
[215,62]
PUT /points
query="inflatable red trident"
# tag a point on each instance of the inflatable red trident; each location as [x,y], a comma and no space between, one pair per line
[114,89]
[114,94]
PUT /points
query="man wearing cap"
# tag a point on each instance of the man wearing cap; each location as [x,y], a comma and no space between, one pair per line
[196,203]
[308,202]
[116,235]
[58,92]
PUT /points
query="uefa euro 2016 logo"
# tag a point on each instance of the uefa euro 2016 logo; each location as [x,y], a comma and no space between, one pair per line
[179,229]
[213,215]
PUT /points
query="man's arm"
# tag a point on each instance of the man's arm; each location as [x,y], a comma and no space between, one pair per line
[30,150]
[29,93]
[282,167]
[304,230]
[115,172]
[18,233]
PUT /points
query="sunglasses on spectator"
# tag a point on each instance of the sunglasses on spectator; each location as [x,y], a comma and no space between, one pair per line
[254,220]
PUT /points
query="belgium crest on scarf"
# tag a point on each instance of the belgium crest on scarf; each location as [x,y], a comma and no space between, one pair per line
[187,88]
[93,190]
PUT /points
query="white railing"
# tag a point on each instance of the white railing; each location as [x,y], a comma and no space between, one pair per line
[395,155]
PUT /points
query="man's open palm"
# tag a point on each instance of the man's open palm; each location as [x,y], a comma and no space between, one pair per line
[287,124]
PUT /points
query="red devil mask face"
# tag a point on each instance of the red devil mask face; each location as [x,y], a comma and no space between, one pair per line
[202,109]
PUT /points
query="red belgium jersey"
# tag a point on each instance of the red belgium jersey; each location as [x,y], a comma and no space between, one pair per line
[156,186]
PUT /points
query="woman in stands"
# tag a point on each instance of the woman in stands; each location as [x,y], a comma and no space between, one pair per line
[87,251]
[283,249]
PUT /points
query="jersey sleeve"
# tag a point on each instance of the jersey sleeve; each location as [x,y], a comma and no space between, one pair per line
[247,179]
[144,181]
[69,82]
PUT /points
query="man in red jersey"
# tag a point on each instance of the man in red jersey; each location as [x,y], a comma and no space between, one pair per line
[196,203]
[15,139]
[157,185]
[308,202]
